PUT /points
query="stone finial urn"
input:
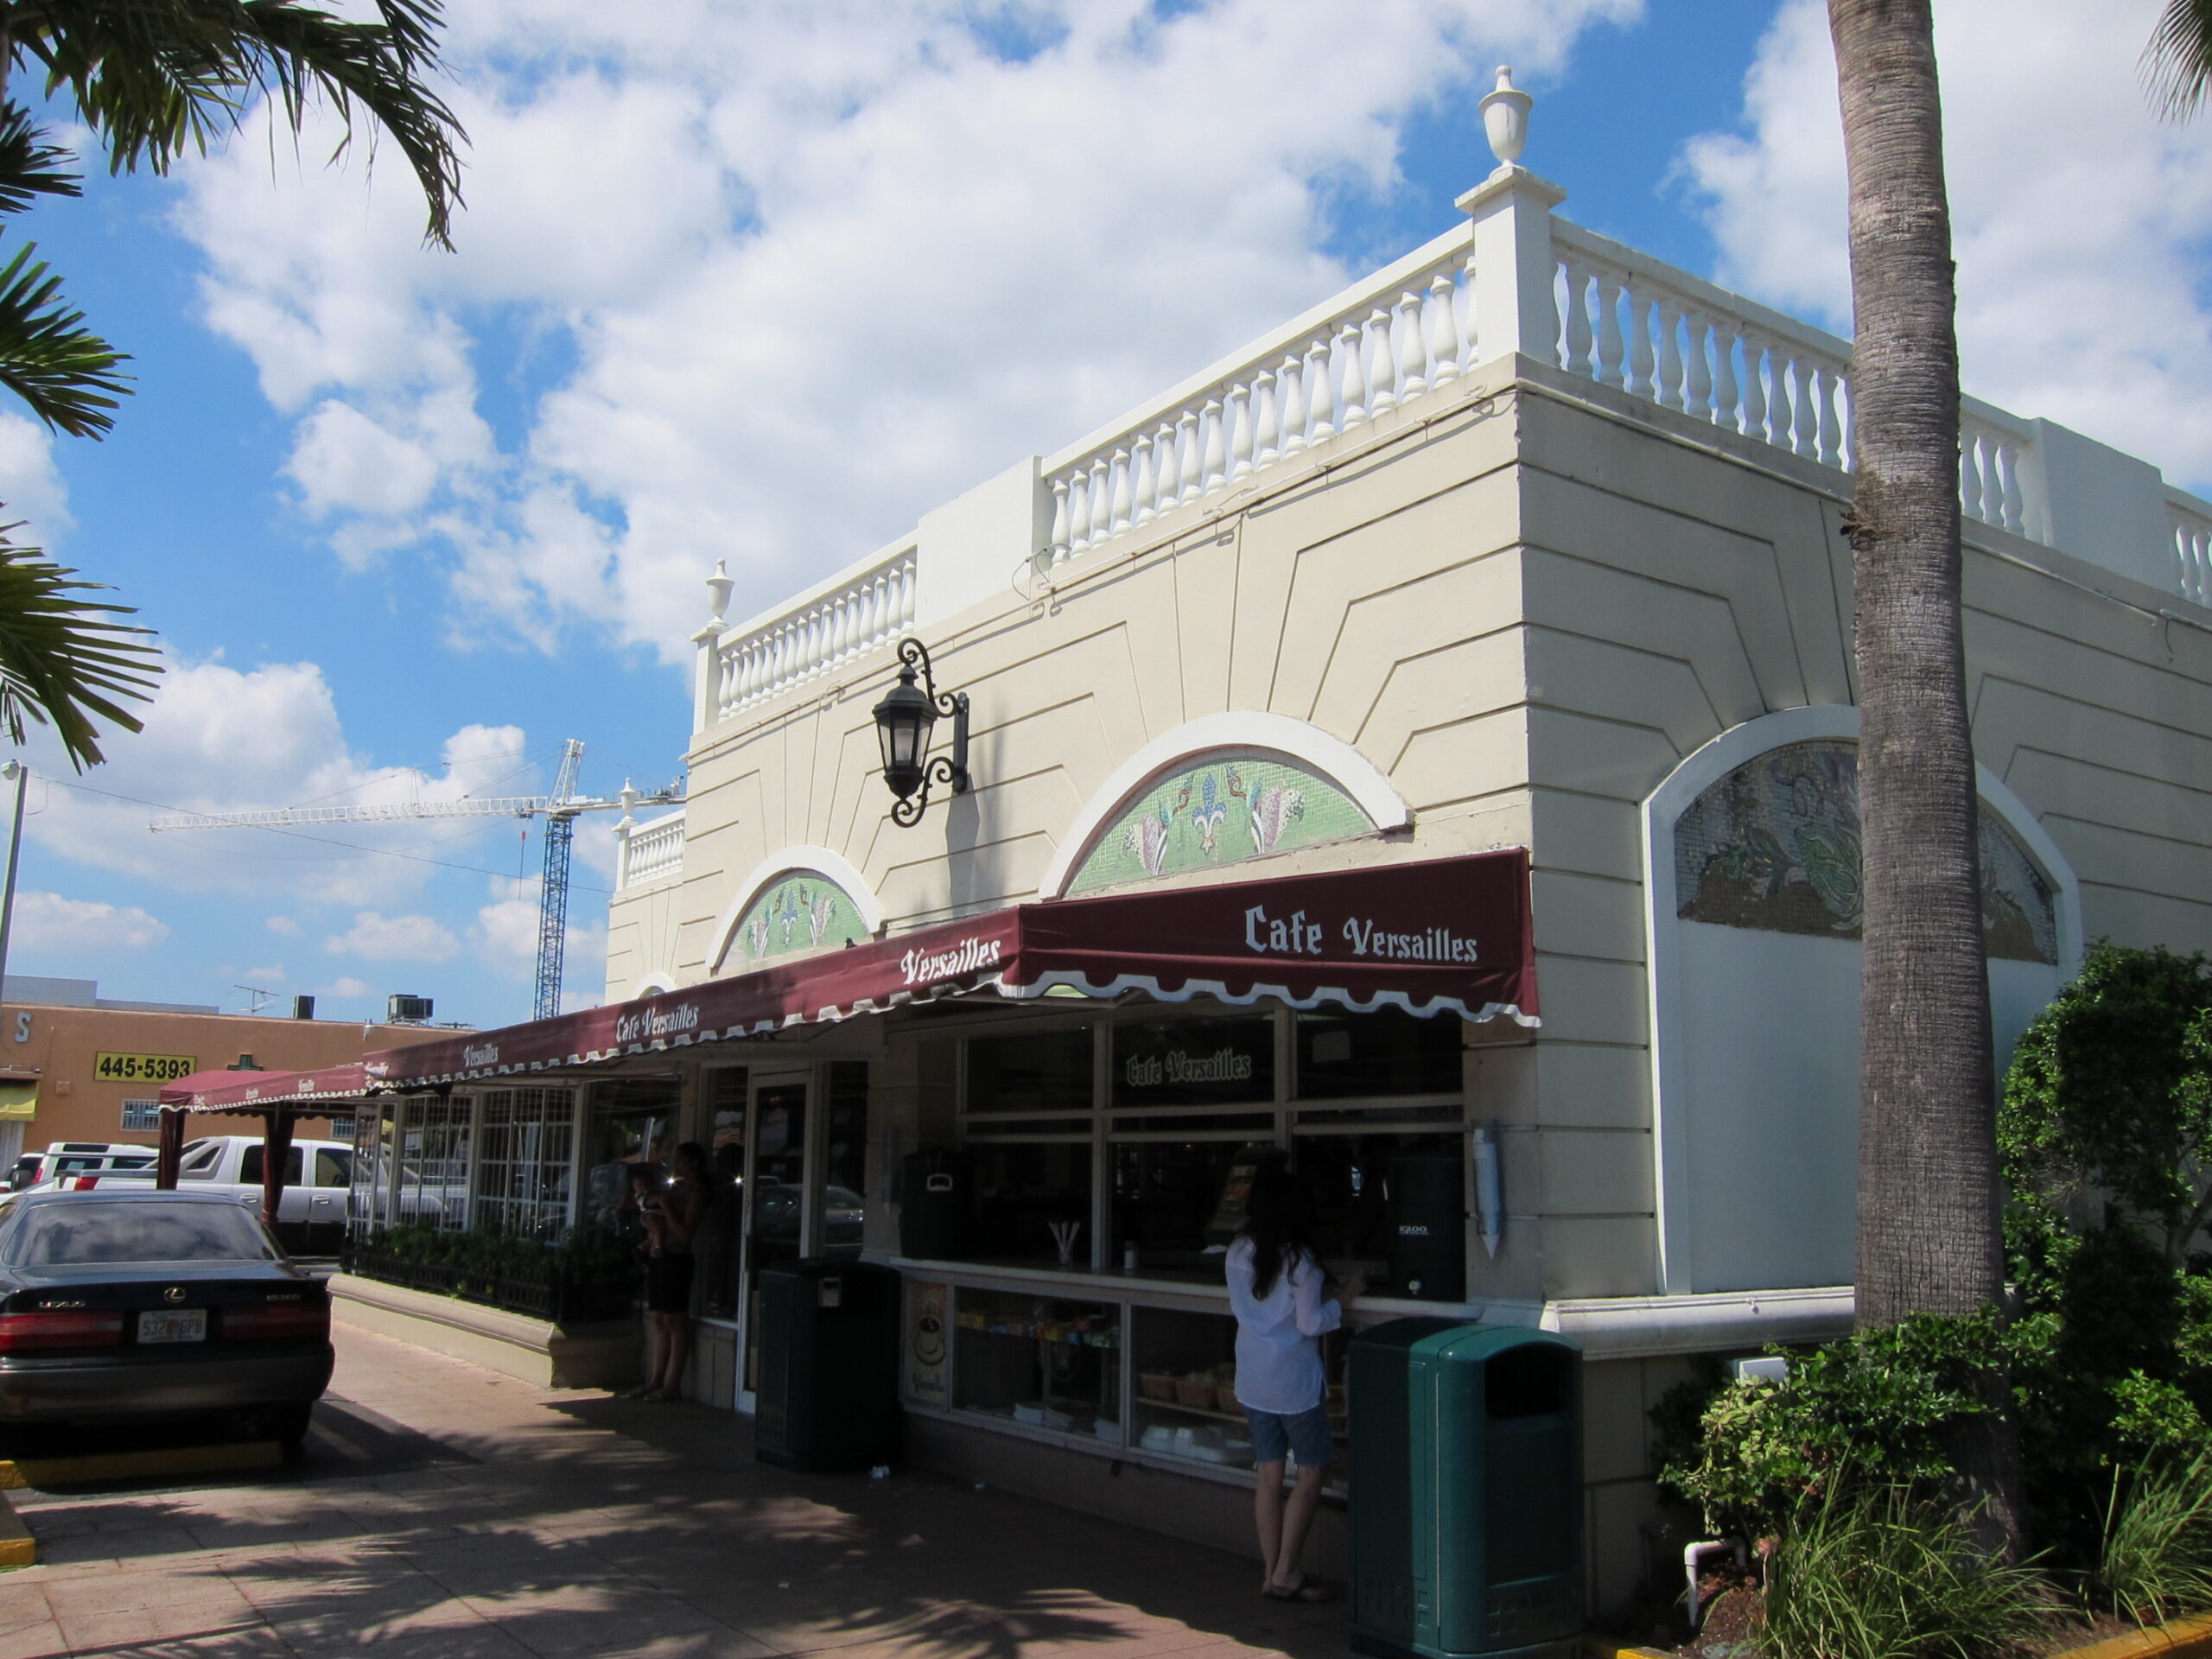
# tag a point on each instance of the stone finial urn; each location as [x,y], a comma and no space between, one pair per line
[1505,117]
[720,584]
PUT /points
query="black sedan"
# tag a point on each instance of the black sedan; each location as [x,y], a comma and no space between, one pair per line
[137,1305]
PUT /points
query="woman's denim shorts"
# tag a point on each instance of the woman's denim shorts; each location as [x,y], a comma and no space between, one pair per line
[1306,1432]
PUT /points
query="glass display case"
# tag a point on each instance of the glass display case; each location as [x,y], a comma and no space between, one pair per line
[1039,1361]
[1183,1403]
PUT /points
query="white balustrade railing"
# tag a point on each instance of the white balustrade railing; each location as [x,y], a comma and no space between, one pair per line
[2192,523]
[1407,332]
[1657,332]
[853,611]
[1999,482]
[649,852]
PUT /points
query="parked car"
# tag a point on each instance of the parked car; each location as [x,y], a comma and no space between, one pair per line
[311,1216]
[777,1217]
[127,1304]
[78,1158]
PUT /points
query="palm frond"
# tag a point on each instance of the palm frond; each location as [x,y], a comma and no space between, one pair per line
[29,165]
[49,358]
[156,79]
[2177,66]
[63,663]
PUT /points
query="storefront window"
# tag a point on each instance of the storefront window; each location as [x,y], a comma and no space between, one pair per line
[1194,1062]
[1346,1056]
[721,1236]
[368,1205]
[1030,1071]
[433,1175]
[844,1196]
[630,1122]
[1039,1361]
[1392,1203]
[1022,1191]
[525,1140]
[1180,1202]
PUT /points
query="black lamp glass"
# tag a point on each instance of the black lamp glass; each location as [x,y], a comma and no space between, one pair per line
[904,721]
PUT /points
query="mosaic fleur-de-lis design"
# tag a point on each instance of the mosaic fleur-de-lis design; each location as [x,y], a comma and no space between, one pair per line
[1272,811]
[787,910]
[1207,816]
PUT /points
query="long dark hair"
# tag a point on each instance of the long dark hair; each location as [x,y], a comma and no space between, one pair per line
[1279,1220]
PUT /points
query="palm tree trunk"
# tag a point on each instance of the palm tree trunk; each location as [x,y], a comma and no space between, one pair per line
[1928,1203]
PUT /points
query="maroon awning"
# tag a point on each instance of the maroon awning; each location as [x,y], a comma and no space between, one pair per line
[1441,936]
[263,1092]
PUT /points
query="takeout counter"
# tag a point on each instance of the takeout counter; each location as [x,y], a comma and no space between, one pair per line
[1129,1367]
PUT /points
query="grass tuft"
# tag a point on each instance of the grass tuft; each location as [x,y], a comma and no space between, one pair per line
[2157,1558]
[1875,1572]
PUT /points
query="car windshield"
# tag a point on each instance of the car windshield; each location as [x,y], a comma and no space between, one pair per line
[89,1233]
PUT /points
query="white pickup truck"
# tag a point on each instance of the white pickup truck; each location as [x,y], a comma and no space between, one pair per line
[311,1216]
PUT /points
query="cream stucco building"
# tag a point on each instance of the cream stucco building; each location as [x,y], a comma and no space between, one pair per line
[1527,542]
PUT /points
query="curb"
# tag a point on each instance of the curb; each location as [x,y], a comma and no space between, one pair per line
[133,1465]
[2177,1638]
[17,1546]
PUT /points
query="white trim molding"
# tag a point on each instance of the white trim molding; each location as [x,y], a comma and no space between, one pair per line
[1309,745]
[789,861]
[652,985]
[1663,989]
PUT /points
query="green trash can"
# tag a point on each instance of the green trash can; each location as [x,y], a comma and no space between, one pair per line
[1467,1492]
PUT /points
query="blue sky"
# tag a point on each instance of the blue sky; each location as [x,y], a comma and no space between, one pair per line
[768,287]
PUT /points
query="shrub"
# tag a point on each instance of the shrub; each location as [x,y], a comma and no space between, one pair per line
[1879,1406]
[2157,1554]
[1874,1572]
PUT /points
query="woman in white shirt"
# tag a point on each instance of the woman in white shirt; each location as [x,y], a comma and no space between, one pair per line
[1275,1286]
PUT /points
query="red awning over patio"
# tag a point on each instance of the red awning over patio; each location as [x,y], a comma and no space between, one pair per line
[1439,936]
[267,1091]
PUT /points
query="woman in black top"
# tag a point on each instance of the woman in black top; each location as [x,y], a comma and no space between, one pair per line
[681,1206]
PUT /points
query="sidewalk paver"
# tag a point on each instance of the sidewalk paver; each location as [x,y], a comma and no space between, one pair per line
[576,1525]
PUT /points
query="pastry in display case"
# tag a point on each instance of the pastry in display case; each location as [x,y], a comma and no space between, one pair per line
[1039,1361]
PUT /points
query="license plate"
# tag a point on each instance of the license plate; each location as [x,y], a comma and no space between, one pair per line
[186,1324]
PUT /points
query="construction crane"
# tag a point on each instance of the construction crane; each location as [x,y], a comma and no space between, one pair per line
[559,810]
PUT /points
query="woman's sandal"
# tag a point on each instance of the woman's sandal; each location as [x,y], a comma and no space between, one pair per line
[1307,1590]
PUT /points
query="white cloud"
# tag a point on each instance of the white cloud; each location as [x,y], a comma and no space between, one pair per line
[505,934]
[2078,217]
[31,488]
[797,274]
[266,977]
[395,938]
[221,740]
[344,986]
[284,927]
[345,460]
[79,928]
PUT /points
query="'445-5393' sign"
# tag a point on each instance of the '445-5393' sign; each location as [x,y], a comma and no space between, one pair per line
[142,1068]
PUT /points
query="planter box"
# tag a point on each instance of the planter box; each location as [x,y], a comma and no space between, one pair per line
[600,1354]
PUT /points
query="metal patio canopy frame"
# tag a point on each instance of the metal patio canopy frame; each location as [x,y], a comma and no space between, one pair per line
[277,1098]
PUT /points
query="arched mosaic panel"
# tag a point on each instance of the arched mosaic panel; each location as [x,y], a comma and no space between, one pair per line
[1774,846]
[1229,806]
[796,915]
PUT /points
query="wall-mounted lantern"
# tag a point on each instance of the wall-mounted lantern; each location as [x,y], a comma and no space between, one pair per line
[904,721]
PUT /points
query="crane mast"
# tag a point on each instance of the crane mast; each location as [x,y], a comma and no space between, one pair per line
[559,810]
